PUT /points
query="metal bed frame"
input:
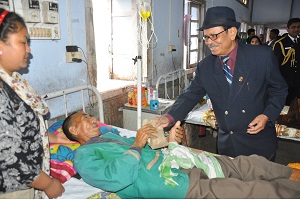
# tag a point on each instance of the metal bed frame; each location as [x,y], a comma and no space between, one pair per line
[63,93]
[171,77]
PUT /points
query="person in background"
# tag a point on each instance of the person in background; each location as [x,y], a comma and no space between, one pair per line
[131,169]
[22,129]
[274,36]
[287,51]
[254,40]
[245,87]
[262,38]
[250,33]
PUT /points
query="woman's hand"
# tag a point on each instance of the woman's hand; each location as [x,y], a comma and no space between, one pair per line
[59,138]
[176,133]
[55,189]
[51,186]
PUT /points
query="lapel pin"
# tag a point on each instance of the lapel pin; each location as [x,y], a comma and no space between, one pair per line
[240,79]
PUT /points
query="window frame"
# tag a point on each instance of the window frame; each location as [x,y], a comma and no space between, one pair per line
[200,6]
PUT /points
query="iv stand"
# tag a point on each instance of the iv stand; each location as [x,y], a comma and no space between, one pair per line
[138,60]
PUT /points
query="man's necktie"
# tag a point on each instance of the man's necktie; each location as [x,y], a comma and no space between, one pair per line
[227,70]
[295,41]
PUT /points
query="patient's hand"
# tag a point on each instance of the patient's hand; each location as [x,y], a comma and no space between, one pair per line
[176,133]
[142,135]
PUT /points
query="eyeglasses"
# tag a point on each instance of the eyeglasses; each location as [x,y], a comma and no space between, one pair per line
[213,37]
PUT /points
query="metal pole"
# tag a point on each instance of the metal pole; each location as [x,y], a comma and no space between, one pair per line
[139,92]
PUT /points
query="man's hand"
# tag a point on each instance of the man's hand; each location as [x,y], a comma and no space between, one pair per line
[176,133]
[161,121]
[257,124]
[142,135]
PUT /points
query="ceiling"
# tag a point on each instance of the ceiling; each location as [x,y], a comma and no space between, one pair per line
[274,13]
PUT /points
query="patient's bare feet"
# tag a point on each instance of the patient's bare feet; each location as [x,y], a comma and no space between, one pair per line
[295,175]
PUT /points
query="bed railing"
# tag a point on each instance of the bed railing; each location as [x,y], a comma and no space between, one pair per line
[180,75]
[81,89]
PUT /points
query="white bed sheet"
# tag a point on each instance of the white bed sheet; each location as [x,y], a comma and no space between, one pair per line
[125,132]
[78,189]
[196,116]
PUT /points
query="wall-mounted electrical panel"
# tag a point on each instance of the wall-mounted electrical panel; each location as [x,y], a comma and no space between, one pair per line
[41,16]
[6,4]
[31,11]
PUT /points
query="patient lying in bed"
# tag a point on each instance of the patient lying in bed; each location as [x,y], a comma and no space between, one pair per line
[131,169]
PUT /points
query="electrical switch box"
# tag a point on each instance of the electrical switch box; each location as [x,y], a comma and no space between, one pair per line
[50,12]
[71,55]
[31,11]
[171,48]
[40,16]
[6,4]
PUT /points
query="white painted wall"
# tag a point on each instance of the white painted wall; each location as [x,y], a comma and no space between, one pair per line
[168,23]
[48,70]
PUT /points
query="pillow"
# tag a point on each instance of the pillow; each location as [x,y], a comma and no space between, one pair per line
[56,128]
[61,161]
[63,151]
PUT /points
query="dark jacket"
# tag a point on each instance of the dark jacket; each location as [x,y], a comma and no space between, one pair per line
[288,55]
[258,88]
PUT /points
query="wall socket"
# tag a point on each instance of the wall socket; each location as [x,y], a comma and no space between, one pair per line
[171,48]
[71,55]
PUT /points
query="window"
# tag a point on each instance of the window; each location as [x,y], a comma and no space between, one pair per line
[116,40]
[115,66]
[193,46]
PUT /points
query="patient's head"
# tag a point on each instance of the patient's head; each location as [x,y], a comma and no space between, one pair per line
[80,127]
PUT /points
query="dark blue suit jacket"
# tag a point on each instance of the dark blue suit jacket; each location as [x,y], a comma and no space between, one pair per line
[258,88]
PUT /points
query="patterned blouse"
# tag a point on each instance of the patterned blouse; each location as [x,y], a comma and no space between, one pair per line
[21,148]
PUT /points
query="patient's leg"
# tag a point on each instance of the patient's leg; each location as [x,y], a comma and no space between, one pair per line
[200,187]
[249,168]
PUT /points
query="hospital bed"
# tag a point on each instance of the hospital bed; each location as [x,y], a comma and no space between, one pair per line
[62,154]
[75,187]
[171,84]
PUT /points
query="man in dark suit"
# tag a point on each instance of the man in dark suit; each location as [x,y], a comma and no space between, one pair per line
[246,108]
[287,51]
[274,36]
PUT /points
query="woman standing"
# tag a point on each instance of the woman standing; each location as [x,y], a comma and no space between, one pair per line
[22,130]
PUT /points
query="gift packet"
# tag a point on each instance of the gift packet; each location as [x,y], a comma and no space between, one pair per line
[160,141]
